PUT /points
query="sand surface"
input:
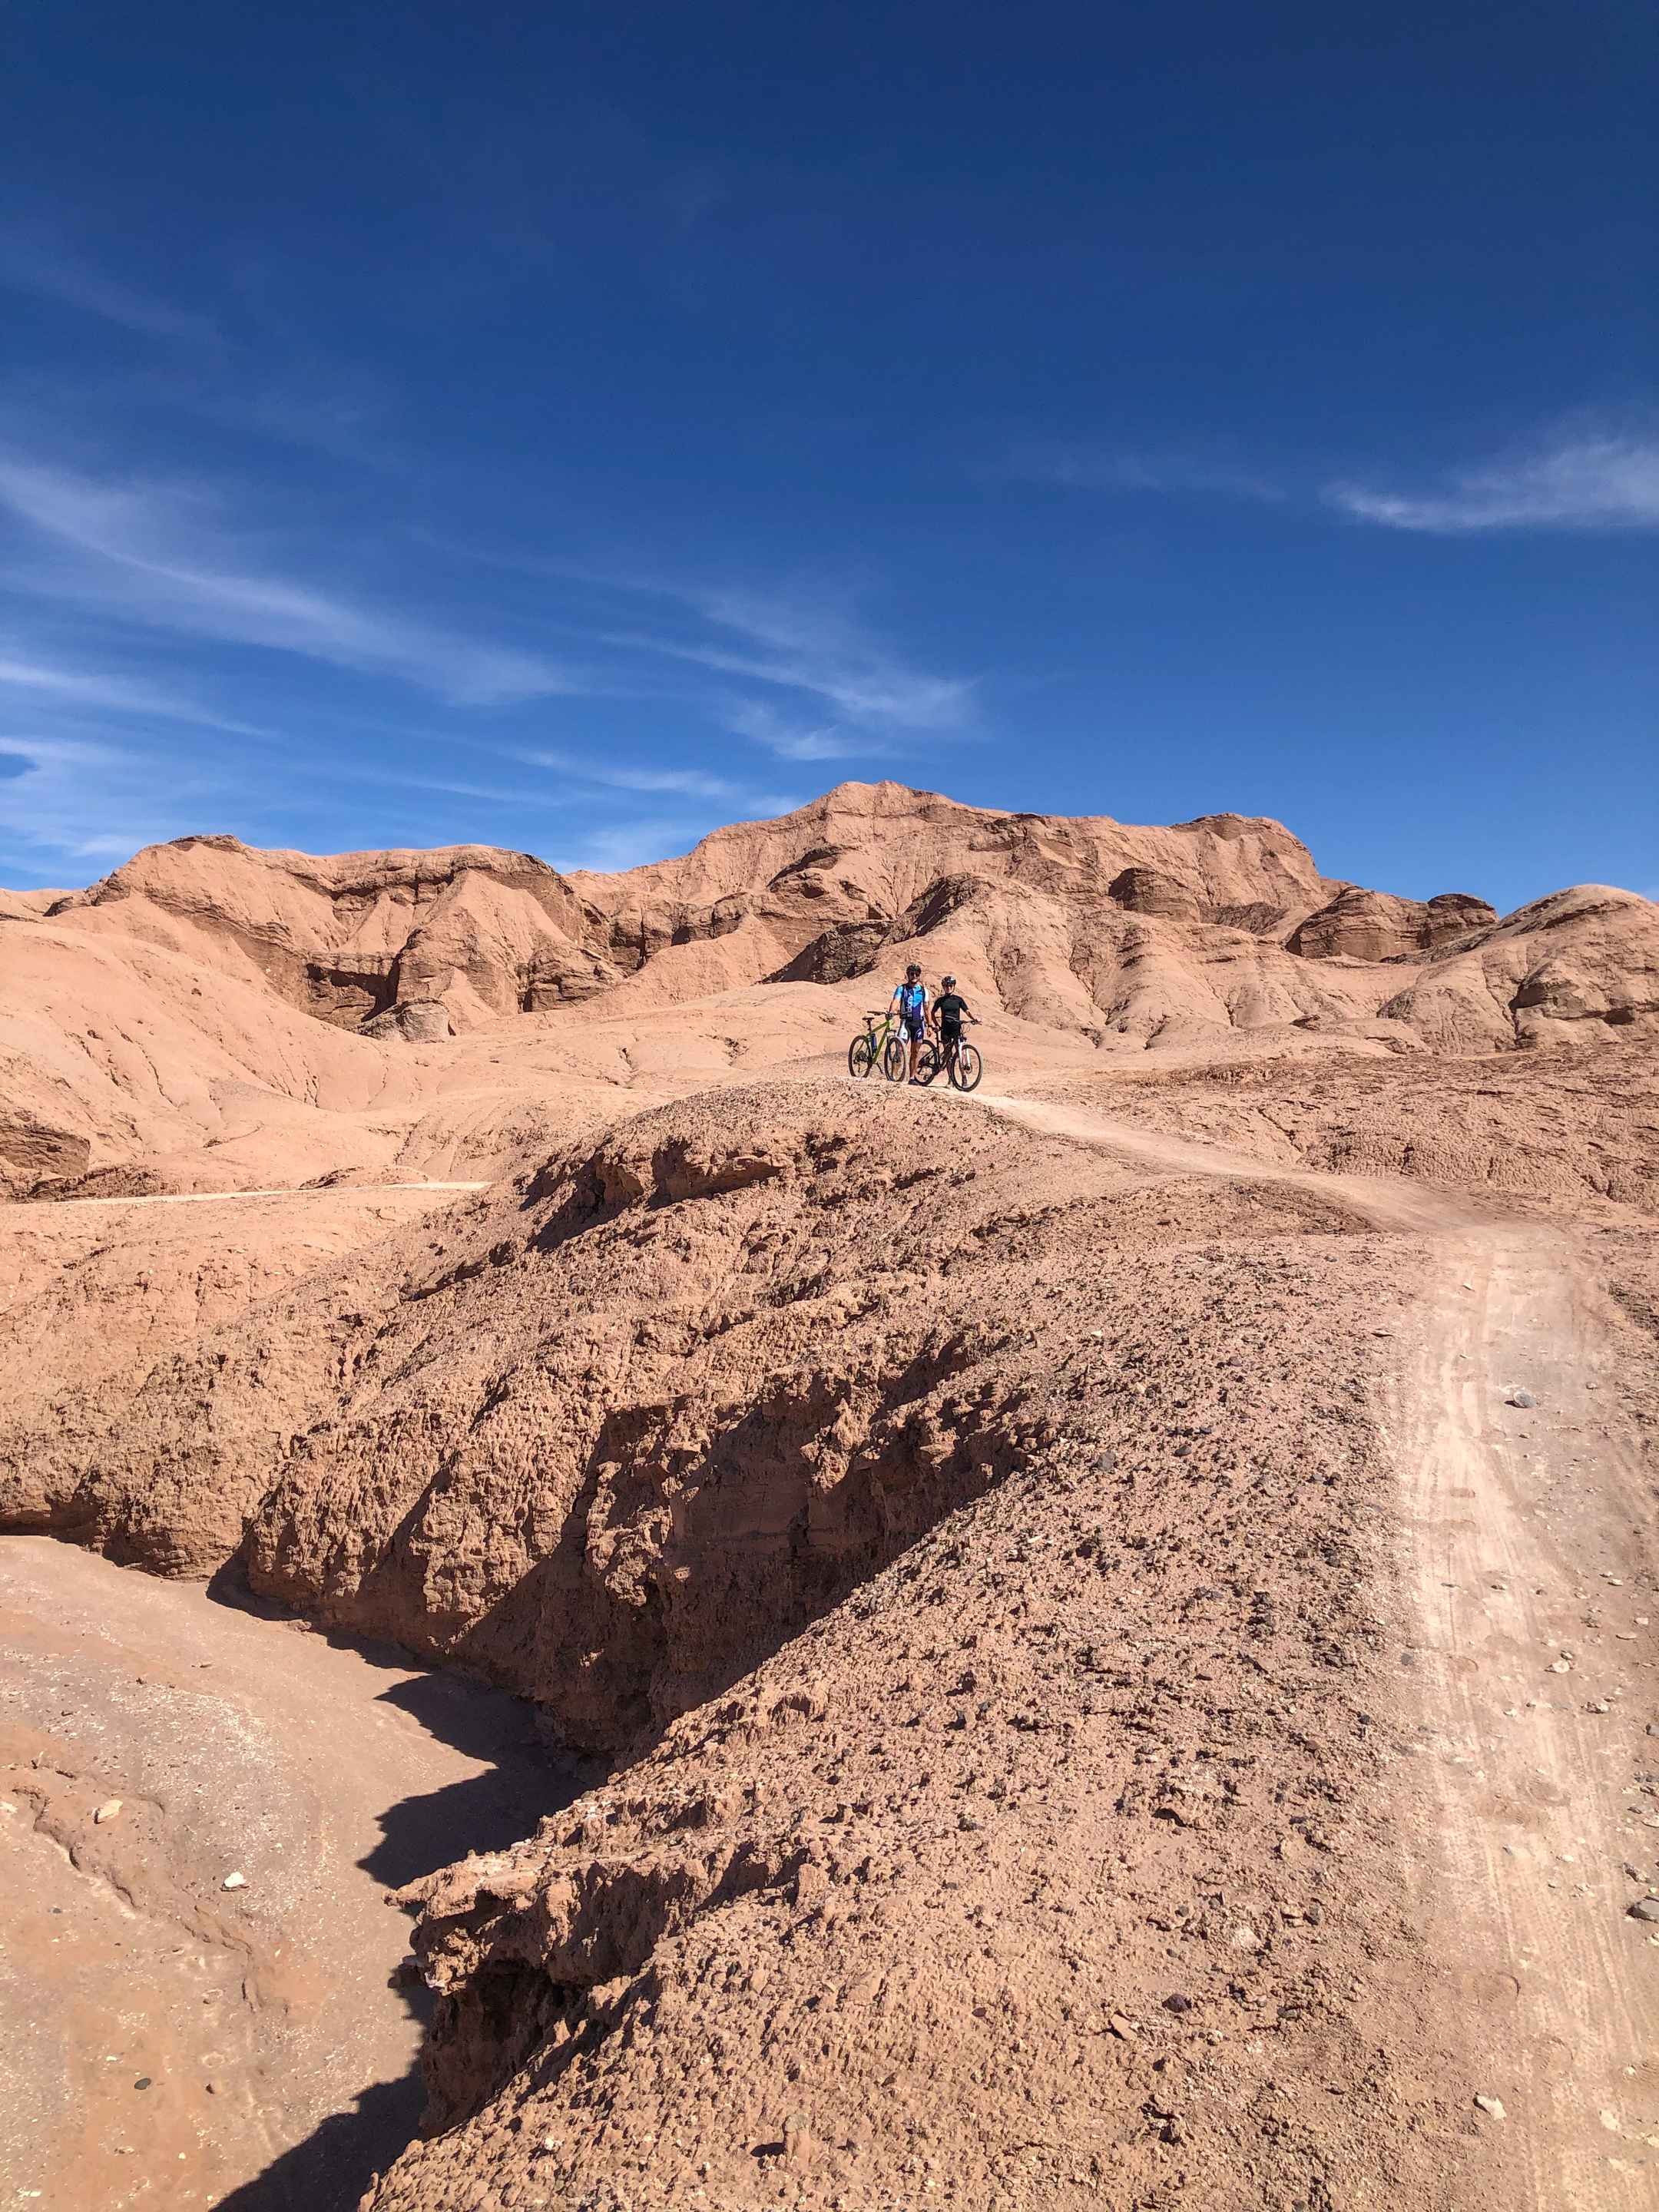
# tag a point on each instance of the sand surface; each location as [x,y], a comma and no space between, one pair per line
[278,2062]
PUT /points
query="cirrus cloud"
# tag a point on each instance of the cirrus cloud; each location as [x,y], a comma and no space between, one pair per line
[1588,480]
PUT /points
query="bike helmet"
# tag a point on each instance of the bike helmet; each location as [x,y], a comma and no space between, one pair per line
[949,982]
[915,969]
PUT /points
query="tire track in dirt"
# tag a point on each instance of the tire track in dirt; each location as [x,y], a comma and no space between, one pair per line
[1526,1694]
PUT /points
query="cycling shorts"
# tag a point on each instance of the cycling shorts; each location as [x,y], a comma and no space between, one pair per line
[913,1028]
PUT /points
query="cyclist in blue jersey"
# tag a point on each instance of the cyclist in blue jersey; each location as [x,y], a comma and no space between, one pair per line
[909,1005]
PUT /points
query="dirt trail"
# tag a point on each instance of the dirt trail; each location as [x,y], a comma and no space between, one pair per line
[283,1190]
[1525,1558]
[170,2041]
[1529,1684]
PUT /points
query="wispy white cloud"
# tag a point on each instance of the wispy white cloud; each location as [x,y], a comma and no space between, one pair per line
[682,783]
[34,263]
[117,694]
[791,647]
[164,554]
[80,799]
[1586,480]
[687,783]
[1103,468]
[792,741]
[629,844]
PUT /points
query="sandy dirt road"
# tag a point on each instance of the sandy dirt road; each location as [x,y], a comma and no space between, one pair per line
[170,2041]
[1528,1699]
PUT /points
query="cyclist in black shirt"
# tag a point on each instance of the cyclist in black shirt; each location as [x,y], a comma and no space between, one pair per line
[949,1012]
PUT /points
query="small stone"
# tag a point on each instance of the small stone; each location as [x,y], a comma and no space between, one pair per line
[142,2082]
[1491,2106]
[215,2088]
[1122,2029]
[1596,1706]
[797,2138]
[1646,1908]
[1561,1666]
[1177,2003]
[109,1811]
[1522,1398]
[235,1881]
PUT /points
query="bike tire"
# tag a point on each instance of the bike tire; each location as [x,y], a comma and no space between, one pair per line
[930,1063]
[895,1060]
[967,1067]
[861,1056]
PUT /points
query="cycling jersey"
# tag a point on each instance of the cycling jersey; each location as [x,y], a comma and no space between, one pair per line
[912,1012]
[949,1008]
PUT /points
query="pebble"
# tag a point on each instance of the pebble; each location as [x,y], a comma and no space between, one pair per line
[142,2082]
[1561,1666]
[1646,1908]
[1177,2003]
[235,1881]
[108,1812]
[1491,2106]
[1522,1398]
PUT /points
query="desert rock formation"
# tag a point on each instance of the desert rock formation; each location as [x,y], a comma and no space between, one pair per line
[348,1010]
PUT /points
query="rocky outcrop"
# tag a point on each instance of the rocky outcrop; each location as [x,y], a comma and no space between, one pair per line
[1577,968]
[350,937]
[1372,926]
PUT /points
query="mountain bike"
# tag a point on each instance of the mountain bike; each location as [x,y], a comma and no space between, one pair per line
[879,1045]
[953,1057]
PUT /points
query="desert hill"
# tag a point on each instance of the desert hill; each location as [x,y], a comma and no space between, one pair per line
[212,1017]
[1107,1621]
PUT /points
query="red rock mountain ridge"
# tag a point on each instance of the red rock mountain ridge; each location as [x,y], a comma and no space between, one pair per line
[208,994]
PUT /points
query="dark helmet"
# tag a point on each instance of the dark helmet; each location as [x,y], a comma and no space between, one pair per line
[949,982]
[915,969]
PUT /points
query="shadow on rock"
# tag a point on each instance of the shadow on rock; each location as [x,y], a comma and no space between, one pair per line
[521,1784]
[331,2169]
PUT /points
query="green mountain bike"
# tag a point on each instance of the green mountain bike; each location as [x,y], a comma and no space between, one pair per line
[879,1045]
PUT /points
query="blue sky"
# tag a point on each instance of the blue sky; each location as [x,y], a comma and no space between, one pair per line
[571,427]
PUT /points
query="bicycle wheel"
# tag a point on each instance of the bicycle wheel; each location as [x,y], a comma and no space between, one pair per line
[967,1067]
[930,1063]
[895,1060]
[861,1054]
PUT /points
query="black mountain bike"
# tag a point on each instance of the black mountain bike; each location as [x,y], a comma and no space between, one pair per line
[954,1058]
